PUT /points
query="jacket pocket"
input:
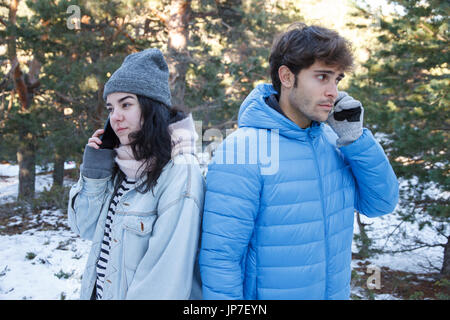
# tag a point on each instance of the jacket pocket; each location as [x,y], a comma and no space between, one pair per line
[136,235]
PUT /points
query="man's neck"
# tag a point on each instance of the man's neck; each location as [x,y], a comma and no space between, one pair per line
[293,114]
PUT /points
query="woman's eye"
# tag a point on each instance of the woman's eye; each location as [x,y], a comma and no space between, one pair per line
[125,105]
[109,110]
[321,77]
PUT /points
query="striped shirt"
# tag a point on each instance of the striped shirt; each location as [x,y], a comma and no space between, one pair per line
[105,247]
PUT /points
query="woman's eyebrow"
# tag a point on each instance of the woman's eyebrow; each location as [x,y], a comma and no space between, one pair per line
[120,100]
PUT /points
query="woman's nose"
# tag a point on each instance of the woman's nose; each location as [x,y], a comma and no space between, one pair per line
[116,115]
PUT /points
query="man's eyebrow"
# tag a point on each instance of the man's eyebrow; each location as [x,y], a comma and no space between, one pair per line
[120,100]
[324,71]
[341,75]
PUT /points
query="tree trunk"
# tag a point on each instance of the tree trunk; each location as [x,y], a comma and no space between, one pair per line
[364,239]
[178,55]
[12,17]
[58,170]
[445,271]
[24,86]
[27,161]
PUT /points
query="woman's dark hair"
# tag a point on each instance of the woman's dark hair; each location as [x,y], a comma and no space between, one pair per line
[301,46]
[152,143]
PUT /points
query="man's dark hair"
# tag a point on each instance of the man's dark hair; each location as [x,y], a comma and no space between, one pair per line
[301,46]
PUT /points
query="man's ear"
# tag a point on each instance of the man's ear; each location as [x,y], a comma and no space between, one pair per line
[287,78]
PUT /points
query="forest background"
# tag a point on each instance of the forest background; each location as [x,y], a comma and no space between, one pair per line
[55,57]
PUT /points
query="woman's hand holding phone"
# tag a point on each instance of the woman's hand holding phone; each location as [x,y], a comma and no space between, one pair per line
[97,164]
[95,141]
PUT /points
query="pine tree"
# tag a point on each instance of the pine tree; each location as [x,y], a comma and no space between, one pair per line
[405,91]
[217,51]
[54,107]
[230,44]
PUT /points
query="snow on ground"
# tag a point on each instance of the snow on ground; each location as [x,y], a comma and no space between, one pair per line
[42,265]
[12,170]
[9,180]
[39,264]
[386,232]
[48,264]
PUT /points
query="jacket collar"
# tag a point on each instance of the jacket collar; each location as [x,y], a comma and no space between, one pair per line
[254,112]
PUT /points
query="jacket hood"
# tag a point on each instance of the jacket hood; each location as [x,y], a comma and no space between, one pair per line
[254,112]
[183,136]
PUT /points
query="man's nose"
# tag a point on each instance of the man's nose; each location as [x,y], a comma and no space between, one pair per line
[332,91]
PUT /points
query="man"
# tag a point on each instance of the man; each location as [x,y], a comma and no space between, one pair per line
[286,233]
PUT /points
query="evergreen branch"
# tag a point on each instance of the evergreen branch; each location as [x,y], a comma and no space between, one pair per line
[127,35]
[426,28]
[428,201]
[205,14]
[64,97]
[160,15]
[7,76]
[226,123]
[205,106]
[441,233]
[430,265]
[227,25]
[390,234]
[425,245]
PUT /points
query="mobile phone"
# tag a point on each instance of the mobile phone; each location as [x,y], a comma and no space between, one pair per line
[109,138]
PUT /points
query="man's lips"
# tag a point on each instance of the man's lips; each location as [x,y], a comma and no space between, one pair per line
[326,106]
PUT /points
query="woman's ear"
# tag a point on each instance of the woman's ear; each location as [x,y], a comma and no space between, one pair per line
[287,78]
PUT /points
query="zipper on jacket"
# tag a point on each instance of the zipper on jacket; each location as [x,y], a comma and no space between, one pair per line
[323,213]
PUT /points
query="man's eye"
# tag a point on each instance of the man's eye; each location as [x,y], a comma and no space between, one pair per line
[321,77]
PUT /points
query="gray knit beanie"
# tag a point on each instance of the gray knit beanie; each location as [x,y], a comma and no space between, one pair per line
[142,73]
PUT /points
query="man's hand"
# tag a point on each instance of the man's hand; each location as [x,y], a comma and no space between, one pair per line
[346,119]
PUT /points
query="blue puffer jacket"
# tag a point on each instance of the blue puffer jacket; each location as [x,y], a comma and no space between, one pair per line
[279,210]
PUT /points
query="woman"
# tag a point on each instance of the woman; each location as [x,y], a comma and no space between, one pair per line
[141,202]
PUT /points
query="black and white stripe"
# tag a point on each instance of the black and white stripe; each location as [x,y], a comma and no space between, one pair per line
[106,244]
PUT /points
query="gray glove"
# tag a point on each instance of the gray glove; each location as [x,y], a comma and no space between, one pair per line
[97,163]
[346,119]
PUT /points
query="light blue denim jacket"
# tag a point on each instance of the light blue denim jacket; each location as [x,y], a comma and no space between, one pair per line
[154,235]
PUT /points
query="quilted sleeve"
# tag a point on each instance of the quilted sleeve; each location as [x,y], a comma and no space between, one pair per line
[231,206]
[377,189]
